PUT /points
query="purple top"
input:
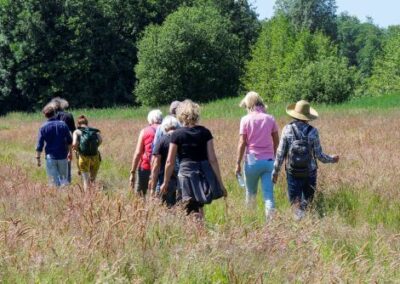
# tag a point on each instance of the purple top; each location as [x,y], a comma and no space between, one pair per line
[55,134]
[258,128]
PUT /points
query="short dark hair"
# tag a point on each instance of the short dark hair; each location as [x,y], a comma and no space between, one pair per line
[49,111]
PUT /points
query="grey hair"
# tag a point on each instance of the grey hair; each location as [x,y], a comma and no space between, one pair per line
[170,122]
[154,116]
[59,103]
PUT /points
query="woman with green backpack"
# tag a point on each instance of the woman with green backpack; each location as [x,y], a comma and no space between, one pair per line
[86,141]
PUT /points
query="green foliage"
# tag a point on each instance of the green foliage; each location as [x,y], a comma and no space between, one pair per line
[192,55]
[310,15]
[288,66]
[359,42]
[84,51]
[386,72]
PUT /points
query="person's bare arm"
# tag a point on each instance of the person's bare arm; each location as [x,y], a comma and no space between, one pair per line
[75,140]
[38,153]
[240,152]
[212,158]
[155,170]
[100,138]
[69,156]
[169,166]
[275,139]
[136,158]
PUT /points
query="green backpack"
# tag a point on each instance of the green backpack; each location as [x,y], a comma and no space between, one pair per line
[89,141]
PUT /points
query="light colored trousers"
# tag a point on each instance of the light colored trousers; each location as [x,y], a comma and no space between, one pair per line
[261,169]
[57,171]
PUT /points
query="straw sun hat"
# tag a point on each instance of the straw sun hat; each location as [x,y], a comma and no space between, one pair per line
[302,110]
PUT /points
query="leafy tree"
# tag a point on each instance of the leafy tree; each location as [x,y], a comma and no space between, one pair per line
[386,71]
[359,42]
[82,50]
[310,15]
[288,66]
[192,55]
[276,40]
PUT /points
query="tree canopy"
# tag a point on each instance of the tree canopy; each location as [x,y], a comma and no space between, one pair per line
[192,55]
[87,52]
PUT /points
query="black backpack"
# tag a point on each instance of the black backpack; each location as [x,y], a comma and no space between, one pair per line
[299,154]
[88,141]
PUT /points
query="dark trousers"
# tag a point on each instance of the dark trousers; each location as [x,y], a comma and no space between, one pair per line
[301,190]
[142,181]
[69,172]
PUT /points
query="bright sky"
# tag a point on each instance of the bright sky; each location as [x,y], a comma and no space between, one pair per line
[384,12]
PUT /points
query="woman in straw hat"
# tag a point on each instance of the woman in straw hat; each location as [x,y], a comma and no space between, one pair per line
[259,138]
[300,146]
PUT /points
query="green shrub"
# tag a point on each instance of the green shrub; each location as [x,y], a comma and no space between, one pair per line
[192,55]
[287,66]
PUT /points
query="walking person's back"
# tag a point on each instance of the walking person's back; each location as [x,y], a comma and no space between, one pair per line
[141,160]
[301,147]
[257,145]
[86,141]
[55,138]
[60,105]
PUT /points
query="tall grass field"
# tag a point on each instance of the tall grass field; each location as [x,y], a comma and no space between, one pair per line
[351,234]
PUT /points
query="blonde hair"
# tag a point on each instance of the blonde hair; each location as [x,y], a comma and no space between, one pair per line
[154,116]
[188,113]
[252,100]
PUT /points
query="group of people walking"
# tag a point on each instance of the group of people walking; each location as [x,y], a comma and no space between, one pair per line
[60,138]
[264,153]
[175,157]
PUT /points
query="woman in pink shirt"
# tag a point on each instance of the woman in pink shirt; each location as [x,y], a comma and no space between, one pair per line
[258,143]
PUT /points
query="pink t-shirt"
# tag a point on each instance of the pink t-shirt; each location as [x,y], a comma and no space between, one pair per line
[258,127]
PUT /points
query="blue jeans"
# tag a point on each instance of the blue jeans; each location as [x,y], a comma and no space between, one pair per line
[262,169]
[301,190]
[57,171]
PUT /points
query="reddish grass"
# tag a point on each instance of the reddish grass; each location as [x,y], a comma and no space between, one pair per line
[72,236]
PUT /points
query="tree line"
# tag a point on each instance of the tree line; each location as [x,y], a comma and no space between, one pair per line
[100,53]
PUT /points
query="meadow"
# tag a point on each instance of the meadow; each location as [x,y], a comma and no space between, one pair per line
[352,233]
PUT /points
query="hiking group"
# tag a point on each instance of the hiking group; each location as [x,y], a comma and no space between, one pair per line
[59,137]
[175,158]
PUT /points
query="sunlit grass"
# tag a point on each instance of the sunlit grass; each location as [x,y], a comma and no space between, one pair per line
[351,234]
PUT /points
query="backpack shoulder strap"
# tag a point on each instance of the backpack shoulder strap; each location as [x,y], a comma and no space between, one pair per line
[295,131]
